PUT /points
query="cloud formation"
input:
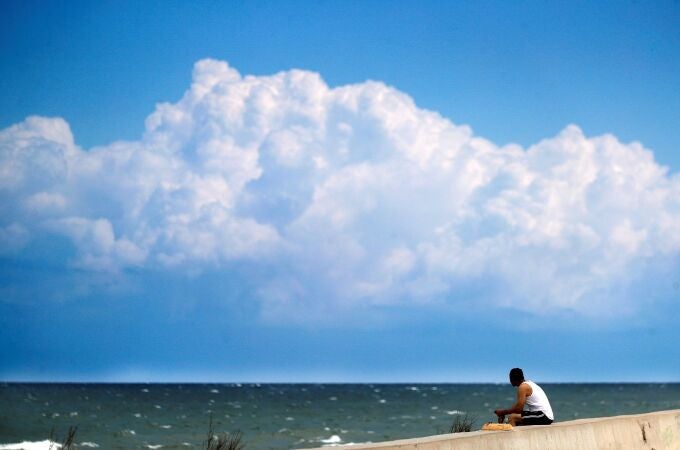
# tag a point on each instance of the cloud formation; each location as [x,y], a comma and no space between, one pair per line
[347,196]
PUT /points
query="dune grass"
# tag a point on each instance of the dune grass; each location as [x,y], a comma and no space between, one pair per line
[462,424]
[69,441]
[223,441]
[215,441]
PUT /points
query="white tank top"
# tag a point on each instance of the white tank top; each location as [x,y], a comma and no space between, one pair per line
[538,401]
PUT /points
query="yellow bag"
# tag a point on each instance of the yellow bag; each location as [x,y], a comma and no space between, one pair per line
[497,427]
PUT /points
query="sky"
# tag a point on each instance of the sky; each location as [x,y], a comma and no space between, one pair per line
[324,191]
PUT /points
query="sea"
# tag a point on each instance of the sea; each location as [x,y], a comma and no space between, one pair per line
[283,416]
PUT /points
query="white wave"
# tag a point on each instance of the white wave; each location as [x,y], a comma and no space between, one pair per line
[335,439]
[31,445]
[214,391]
[453,412]
[88,444]
[153,446]
[167,427]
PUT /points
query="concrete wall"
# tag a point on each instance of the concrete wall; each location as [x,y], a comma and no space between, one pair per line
[659,431]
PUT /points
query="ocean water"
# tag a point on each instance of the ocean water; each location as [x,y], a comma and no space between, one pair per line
[282,416]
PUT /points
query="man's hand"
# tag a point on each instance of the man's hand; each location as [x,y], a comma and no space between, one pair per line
[501,415]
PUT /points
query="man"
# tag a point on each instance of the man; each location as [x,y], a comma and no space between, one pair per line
[532,407]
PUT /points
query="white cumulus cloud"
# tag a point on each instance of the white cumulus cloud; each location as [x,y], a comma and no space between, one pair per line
[348,196]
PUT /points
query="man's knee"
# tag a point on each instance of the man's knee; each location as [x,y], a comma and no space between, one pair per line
[514,419]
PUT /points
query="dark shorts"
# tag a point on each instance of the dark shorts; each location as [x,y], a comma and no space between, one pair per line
[534,418]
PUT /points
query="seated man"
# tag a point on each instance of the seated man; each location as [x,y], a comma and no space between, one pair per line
[532,407]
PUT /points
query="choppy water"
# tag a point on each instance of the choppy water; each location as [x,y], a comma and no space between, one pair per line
[281,416]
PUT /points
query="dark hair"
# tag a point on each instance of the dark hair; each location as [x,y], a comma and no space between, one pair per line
[517,375]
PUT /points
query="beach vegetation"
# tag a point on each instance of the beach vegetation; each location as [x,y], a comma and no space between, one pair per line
[223,441]
[462,424]
[69,441]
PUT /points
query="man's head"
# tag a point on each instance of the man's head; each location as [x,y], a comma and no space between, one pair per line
[516,376]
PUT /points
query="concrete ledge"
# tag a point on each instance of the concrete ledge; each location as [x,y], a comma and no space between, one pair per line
[658,431]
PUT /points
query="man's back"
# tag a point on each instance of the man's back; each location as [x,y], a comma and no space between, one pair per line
[538,401]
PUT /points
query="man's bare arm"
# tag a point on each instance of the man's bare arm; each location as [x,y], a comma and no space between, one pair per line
[523,391]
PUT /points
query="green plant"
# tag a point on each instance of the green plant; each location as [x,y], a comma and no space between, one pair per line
[223,441]
[68,442]
[462,424]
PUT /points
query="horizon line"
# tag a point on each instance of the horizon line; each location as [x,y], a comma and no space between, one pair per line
[256,383]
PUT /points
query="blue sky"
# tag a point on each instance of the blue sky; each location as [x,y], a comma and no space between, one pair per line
[339,191]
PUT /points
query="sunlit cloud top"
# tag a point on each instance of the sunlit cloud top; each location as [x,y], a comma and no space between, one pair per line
[345,197]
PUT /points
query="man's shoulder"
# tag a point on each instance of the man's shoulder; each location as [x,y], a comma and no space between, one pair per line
[525,387]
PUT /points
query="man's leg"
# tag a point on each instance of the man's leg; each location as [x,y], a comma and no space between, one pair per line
[514,419]
[534,418]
